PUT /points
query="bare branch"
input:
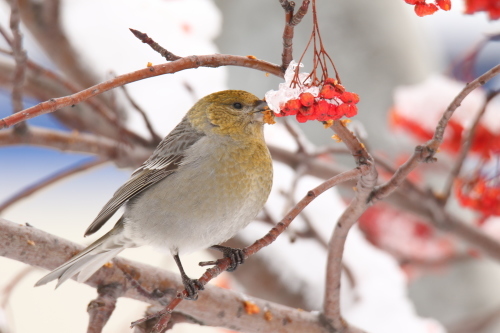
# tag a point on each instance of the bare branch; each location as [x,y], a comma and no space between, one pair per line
[154,136]
[215,60]
[102,307]
[291,21]
[366,183]
[169,56]
[43,21]
[466,144]
[62,174]
[123,155]
[20,58]
[297,18]
[215,306]
[425,153]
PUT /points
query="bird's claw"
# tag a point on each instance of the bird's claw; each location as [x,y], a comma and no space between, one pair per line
[237,256]
[192,286]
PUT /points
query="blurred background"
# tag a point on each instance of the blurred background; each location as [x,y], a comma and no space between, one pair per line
[376,45]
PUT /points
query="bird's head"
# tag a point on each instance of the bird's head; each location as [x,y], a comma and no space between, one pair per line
[229,112]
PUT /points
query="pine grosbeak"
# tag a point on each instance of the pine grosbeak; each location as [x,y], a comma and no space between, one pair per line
[205,181]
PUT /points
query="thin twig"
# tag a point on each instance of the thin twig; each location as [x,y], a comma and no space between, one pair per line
[169,56]
[297,18]
[214,60]
[120,154]
[425,153]
[155,138]
[59,175]
[466,144]
[291,21]
[20,59]
[270,237]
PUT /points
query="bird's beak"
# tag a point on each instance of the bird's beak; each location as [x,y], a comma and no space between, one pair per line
[259,109]
[261,106]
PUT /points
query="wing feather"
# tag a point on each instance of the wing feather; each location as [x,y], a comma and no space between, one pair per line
[163,162]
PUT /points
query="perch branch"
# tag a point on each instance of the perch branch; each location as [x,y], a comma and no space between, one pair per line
[215,306]
[270,237]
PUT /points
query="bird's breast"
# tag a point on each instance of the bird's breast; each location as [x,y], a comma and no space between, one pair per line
[217,190]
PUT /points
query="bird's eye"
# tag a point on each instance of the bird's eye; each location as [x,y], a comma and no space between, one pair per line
[237,105]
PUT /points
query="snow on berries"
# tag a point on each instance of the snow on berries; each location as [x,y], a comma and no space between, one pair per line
[299,97]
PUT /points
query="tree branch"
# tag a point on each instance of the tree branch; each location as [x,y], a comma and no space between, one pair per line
[20,58]
[425,153]
[366,183]
[123,155]
[223,264]
[102,307]
[466,144]
[215,306]
[291,21]
[215,60]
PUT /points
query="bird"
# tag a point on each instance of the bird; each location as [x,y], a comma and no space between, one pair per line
[205,181]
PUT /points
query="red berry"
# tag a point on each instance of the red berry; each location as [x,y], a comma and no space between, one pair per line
[328,91]
[306,99]
[307,110]
[423,9]
[291,107]
[301,118]
[444,4]
[323,106]
[331,81]
[350,111]
[334,112]
[349,97]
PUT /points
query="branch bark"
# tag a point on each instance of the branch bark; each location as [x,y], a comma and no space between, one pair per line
[215,306]
[214,60]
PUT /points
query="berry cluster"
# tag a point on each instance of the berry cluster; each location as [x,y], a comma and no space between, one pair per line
[332,103]
[423,8]
[480,194]
[492,7]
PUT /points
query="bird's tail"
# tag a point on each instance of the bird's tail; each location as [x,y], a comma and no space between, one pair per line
[87,262]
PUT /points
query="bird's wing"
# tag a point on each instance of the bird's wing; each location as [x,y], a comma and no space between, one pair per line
[164,161]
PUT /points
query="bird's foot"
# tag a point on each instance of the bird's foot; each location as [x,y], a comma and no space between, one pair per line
[237,256]
[192,286]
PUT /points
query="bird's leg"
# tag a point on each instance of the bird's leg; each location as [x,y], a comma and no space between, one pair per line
[237,256]
[192,285]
